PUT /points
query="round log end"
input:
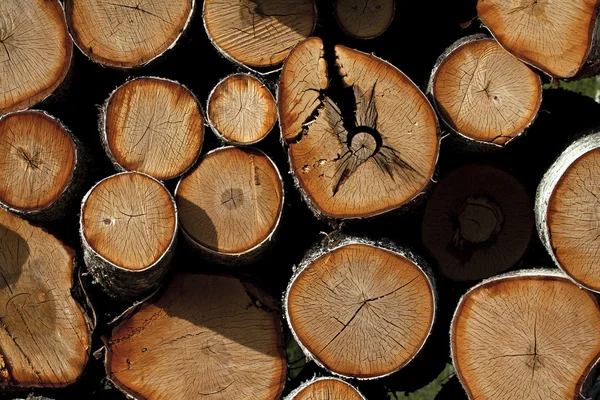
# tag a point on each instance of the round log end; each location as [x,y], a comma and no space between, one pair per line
[365,19]
[325,388]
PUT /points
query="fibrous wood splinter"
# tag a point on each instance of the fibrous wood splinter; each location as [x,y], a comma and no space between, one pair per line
[241,110]
[152,125]
[527,335]
[478,222]
[360,310]
[366,161]
[230,204]
[45,336]
[258,33]
[566,210]
[365,19]
[128,230]
[325,388]
[483,92]
[127,33]
[203,338]
[35,52]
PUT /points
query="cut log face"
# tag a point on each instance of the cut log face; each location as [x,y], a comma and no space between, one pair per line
[360,310]
[35,51]
[370,160]
[241,110]
[201,339]
[554,36]
[126,33]
[484,93]
[153,125]
[231,202]
[531,335]
[478,222]
[365,19]
[258,33]
[44,335]
[38,161]
[325,389]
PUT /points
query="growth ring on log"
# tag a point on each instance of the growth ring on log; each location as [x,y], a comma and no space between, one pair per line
[554,36]
[325,388]
[528,335]
[365,19]
[258,33]
[128,230]
[231,202]
[45,336]
[126,33]
[39,158]
[360,310]
[153,125]
[478,222]
[241,110]
[35,51]
[567,207]
[483,92]
[202,338]
[361,162]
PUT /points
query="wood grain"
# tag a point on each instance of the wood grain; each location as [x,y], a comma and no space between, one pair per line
[326,389]
[365,19]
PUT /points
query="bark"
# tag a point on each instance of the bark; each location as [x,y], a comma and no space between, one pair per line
[325,388]
[364,19]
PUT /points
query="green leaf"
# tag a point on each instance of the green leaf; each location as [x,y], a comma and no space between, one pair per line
[428,392]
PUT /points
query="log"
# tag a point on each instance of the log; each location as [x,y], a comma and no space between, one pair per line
[152,125]
[325,388]
[477,223]
[124,33]
[35,52]
[558,37]
[45,336]
[373,150]
[43,165]
[241,110]
[360,309]
[204,337]
[566,211]
[526,335]
[128,229]
[364,19]
[230,204]
[258,33]
[483,93]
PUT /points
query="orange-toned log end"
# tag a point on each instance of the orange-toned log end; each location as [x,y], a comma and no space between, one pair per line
[201,339]
[360,310]
[530,335]
[241,110]
[231,202]
[478,222]
[484,93]
[355,164]
[45,336]
[153,125]
[258,33]
[365,19]
[554,36]
[38,161]
[35,52]
[126,33]
[326,389]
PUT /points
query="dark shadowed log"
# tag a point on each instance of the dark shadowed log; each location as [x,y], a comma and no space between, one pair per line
[230,204]
[365,19]
[241,110]
[483,93]
[45,336]
[128,231]
[373,150]
[325,388]
[478,222]
[35,51]
[152,125]
[359,309]
[203,338]
[127,33]
[526,335]
[566,211]
[42,168]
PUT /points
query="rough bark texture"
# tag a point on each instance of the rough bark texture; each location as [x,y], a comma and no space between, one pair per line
[325,388]
[365,19]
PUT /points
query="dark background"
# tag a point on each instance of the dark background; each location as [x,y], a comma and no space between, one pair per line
[420,32]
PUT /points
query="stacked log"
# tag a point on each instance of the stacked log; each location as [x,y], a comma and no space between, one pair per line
[325,388]
[365,19]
